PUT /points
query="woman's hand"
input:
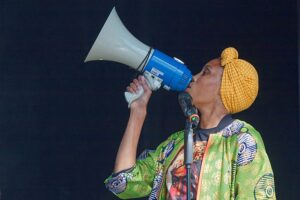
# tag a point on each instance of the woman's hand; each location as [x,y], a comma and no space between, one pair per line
[141,103]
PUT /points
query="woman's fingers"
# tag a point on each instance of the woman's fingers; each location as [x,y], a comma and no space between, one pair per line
[136,82]
[134,86]
[129,89]
[144,83]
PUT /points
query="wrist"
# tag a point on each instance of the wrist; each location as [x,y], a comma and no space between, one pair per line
[139,112]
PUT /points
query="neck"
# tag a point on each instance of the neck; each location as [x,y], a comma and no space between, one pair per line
[211,116]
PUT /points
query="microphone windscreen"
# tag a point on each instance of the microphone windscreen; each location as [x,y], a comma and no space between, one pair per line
[185,102]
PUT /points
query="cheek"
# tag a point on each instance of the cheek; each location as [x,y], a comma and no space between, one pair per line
[207,89]
[214,87]
[200,91]
[206,85]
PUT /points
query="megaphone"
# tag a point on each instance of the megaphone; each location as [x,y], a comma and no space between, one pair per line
[116,43]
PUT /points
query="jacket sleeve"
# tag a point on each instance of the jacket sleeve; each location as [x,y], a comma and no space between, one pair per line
[254,175]
[137,181]
[134,182]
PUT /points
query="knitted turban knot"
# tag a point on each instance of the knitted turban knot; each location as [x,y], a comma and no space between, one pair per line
[239,85]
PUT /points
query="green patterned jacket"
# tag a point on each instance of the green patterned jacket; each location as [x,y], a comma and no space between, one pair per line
[235,166]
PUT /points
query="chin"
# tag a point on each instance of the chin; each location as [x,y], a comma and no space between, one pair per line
[190,95]
[188,90]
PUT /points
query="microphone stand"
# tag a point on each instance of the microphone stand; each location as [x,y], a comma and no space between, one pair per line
[188,152]
[192,121]
[188,155]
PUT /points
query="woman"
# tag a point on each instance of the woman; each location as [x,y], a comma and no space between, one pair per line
[229,158]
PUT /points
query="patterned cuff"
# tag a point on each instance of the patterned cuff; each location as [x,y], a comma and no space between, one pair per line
[123,171]
[118,181]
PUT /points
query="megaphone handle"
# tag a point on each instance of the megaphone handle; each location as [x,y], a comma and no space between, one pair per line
[153,82]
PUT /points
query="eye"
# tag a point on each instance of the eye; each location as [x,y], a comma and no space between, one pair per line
[205,71]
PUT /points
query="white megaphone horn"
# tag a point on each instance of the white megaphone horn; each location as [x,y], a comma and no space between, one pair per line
[116,43]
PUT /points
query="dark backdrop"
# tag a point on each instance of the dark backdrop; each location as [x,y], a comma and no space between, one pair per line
[61,120]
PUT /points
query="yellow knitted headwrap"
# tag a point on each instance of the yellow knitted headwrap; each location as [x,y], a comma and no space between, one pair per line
[239,85]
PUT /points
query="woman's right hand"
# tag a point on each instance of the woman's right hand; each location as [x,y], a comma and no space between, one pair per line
[141,103]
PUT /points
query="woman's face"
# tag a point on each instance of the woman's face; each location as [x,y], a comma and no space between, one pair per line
[205,87]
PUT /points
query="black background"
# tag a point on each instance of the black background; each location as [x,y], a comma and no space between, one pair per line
[62,120]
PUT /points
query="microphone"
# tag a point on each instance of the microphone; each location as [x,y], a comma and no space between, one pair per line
[189,111]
